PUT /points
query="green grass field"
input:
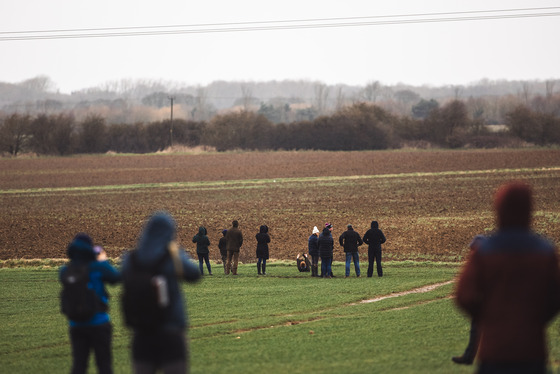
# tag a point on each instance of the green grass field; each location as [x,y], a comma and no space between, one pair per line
[286,322]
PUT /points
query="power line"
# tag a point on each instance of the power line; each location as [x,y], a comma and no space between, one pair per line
[478,15]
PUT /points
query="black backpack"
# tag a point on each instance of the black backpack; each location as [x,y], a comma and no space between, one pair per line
[145,297]
[77,301]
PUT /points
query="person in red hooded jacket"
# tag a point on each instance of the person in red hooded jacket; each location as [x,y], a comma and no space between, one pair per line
[511,287]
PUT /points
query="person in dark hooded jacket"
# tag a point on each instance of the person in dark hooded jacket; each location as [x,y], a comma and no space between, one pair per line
[374,237]
[96,333]
[326,251]
[262,249]
[202,243]
[164,347]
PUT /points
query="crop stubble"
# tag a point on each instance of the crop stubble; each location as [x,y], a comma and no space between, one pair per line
[428,203]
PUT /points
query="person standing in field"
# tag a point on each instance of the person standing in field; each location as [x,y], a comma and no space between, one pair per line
[326,251]
[511,287]
[262,249]
[313,247]
[374,237]
[223,249]
[202,251]
[234,241]
[163,344]
[467,358]
[350,240]
[95,332]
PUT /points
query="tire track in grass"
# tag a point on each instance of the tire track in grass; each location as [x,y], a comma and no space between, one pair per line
[423,289]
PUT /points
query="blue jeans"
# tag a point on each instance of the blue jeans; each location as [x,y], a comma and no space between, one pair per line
[356,258]
[203,257]
[326,266]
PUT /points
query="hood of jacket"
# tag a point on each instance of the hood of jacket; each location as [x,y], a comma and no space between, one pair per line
[81,249]
[374,225]
[154,240]
[263,229]
[202,231]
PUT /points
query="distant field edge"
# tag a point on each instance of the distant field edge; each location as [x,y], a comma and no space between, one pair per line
[261,182]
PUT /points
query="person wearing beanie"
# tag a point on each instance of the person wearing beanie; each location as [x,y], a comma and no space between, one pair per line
[96,333]
[223,249]
[374,237]
[511,287]
[262,248]
[350,240]
[313,247]
[234,241]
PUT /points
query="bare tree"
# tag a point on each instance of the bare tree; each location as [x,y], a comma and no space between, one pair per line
[321,97]
[526,92]
[371,91]
[246,96]
[549,85]
[14,133]
[340,99]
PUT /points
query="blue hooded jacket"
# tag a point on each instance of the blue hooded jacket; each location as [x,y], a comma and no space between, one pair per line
[80,251]
[153,244]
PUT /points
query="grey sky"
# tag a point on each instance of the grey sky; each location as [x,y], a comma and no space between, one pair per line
[435,53]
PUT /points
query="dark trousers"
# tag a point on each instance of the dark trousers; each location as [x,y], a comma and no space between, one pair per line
[160,350]
[96,338]
[314,265]
[261,261]
[374,255]
[472,346]
[204,257]
[224,260]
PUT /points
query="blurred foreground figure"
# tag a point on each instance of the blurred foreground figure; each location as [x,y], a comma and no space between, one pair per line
[85,301]
[467,358]
[511,287]
[153,305]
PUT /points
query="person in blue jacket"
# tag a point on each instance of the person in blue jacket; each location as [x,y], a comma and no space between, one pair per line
[164,347]
[96,333]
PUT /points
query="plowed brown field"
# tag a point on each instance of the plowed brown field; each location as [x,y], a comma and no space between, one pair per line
[428,203]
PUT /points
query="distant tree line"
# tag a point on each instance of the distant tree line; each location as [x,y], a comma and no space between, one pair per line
[361,126]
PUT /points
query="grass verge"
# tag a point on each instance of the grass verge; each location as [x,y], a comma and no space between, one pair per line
[284,322]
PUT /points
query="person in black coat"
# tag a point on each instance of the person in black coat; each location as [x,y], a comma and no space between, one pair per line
[223,248]
[262,249]
[202,244]
[313,247]
[326,248]
[351,240]
[374,238]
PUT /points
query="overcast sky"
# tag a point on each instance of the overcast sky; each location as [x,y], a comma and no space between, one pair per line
[409,47]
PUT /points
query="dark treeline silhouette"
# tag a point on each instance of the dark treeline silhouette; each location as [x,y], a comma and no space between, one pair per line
[361,126]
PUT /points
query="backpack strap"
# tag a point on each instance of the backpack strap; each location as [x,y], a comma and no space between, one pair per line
[173,249]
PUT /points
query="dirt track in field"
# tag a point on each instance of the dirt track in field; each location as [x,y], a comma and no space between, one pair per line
[429,215]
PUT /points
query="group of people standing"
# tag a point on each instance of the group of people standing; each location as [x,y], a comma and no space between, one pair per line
[321,246]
